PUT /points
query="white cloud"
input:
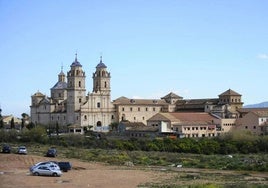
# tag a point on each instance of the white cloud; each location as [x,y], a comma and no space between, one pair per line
[262,56]
[136,97]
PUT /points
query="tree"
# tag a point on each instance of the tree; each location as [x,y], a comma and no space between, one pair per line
[22,123]
[1,121]
[114,126]
[57,128]
[88,129]
[12,124]
[25,116]
[31,125]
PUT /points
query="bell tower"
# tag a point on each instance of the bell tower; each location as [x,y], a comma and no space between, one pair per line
[101,79]
[75,91]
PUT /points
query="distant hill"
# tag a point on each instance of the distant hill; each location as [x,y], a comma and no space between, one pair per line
[259,105]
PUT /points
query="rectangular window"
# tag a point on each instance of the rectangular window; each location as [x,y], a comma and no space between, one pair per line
[98,105]
[123,109]
[130,108]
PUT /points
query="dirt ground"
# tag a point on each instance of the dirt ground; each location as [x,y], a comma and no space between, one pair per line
[14,172]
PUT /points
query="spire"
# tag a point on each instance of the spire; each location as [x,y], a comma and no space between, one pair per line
[101,64]
[61,69]
[76,63]
[75,57]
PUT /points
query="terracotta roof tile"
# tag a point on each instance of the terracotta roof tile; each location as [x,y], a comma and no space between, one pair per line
[185,117]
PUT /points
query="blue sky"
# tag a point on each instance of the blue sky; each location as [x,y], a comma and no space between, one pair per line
[197,49]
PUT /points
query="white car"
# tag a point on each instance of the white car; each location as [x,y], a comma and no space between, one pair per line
[48,164]
[22,150]
[44,170]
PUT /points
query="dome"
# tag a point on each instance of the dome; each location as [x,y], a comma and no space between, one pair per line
[61,73]
[60,85]
[101,64]
[38,94]
[76,63]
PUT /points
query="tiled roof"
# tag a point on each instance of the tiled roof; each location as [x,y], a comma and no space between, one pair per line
[185,117]
[229,92]
[44,101]
[162,117]
[60,85]
[188,116]
[171,95]
[74,126]
[246,110]
[127,101]
[144,129]
[132,124]
[197,101]
[38,94]
[261,113]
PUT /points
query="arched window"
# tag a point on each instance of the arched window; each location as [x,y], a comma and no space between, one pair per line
[123,117]
[99,124]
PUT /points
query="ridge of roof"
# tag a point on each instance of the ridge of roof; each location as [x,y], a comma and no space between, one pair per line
[172,95]
[229,92]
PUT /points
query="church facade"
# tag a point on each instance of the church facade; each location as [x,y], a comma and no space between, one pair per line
[70,105]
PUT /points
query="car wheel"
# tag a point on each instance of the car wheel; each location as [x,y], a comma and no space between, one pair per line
[36,174]
[55,174]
